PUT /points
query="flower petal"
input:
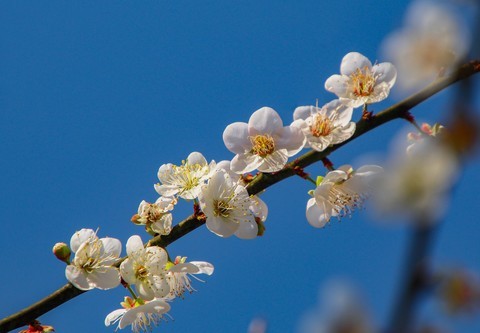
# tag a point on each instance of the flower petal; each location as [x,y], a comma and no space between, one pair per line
[203,267]
[112,247]
[127,271]
[225,166]
[236,138]
[186,267]
[196,158]
[166,189]
[247,229]
[77,277]
[145,288]
[315,215]
[264,121]
[243,163]
[80,237]
[337,84]
[335,176]
[385,72]
[353,61]
[274,162]
[338,112]
[114,316]
[259,208]
[290,138]
[368,170]
[134,244]
[157,258]
[303,112]
[220,227]
[104,278]
[343,133]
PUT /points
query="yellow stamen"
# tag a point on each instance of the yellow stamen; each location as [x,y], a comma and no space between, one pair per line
[221,208]
[322,126]
[363,82]
[263,145]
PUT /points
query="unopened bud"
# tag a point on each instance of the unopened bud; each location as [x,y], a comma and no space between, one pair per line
[135,219]
[62,252]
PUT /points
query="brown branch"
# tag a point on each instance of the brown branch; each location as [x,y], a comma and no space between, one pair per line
[260,183]
[27,315]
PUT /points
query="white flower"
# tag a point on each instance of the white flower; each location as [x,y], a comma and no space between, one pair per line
[432,40]
[184,180]
[92,265]
[340,192]
[179,272]
[263,144]
[226,206]
[361,83]
[138,313]
[417,184]
[257,206]
[326,126]
[145,268]
[156,216]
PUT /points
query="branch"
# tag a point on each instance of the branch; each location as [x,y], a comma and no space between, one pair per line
[260,183]
[414,280]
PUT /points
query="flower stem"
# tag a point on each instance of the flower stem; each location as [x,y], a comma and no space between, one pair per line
[131,291]
[328,164]
[311,180]
[411,119]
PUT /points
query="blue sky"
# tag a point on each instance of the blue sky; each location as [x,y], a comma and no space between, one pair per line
[95,96]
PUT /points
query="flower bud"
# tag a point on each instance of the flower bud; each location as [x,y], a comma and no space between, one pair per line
[62,252]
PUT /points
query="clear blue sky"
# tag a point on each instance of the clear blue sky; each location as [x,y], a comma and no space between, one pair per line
[96,95]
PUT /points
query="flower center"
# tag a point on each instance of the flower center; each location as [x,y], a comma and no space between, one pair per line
[153,213]
[89,265]
[222,208]
[344,200]
[188,175]
[141,273]
[322,126]
[363,82]
[263,145]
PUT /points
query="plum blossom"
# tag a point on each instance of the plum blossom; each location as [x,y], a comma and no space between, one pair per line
[257,206]
[226,204]
[432,39]
[263,144]
[360,83]
[417,185]
[184,180]
[324,126]
[339,193]
[156,217]
[145,268]
[94,257]
[142,315]
[178,273]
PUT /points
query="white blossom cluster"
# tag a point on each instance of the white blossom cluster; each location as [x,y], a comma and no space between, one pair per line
[220,195]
